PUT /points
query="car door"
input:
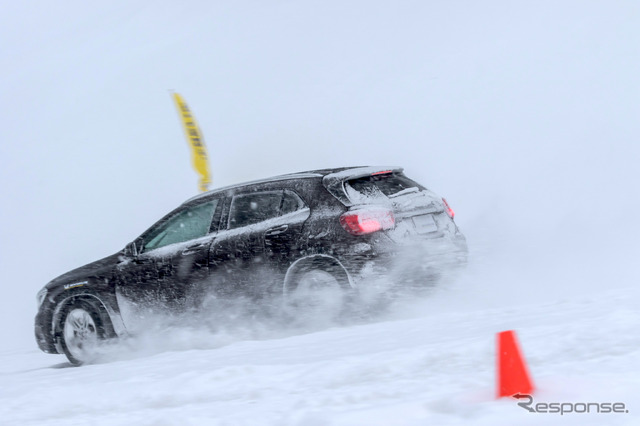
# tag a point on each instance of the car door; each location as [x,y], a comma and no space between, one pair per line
[238,252]
[183,267]
[248,252]
[169,256]
[282,240]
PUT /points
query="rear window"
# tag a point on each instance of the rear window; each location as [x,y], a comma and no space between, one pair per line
[247,209]
[387,185]
[290,203]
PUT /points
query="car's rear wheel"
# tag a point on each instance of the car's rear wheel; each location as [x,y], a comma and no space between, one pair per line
[81,330]
[318,298]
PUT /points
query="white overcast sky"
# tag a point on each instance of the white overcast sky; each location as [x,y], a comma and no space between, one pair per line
[525,115]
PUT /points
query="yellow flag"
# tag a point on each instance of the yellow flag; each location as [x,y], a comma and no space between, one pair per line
[196,141]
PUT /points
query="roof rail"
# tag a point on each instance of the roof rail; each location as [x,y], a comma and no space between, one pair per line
[302,175]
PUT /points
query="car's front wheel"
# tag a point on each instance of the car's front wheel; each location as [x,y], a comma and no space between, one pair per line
[82,330]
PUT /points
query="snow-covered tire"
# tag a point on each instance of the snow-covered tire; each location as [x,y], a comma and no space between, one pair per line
[81,328]
[317,298]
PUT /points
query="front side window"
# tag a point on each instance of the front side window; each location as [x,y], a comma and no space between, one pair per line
[186,225]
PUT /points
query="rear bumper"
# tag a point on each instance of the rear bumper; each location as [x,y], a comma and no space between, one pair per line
[414,263]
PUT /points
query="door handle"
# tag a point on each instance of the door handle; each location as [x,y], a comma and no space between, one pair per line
[142,260]
[193,249]
[277,230]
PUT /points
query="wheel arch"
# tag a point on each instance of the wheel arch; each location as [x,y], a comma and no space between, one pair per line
[110,319]
[317,261]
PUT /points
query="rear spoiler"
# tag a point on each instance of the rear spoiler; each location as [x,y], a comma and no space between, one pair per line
[334,182]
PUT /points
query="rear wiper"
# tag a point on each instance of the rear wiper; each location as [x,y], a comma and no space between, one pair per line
[404,191]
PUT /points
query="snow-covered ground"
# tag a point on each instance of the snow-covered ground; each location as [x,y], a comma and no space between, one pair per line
[428,361]
[524,115]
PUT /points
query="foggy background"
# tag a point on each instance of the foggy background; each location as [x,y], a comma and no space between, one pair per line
[524,115]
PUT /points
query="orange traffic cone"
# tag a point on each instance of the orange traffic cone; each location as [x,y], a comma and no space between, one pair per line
[513,376]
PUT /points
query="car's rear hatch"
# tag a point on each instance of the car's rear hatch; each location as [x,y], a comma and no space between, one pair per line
[417,211]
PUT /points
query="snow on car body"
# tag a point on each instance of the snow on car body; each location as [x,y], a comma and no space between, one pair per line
[292,238]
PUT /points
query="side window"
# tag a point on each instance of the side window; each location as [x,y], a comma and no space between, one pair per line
[290,203]
[184,226]
[247,209]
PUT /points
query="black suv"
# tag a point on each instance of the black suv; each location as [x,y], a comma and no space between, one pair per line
[300,239]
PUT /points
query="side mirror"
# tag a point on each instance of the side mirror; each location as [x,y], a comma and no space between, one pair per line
[130,251]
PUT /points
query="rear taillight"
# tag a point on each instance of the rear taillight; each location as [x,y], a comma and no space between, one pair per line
[367,220]
[448,209]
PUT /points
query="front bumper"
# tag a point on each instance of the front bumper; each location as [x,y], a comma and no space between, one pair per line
[43,334]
